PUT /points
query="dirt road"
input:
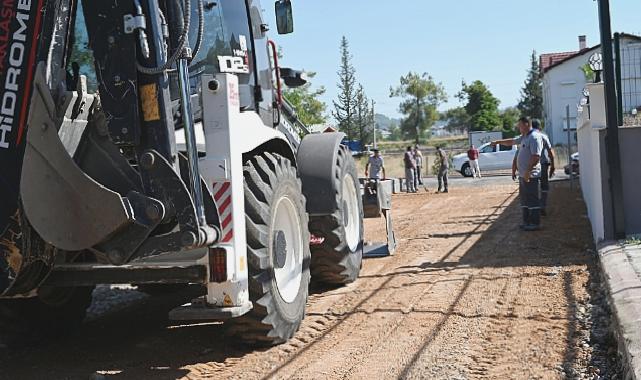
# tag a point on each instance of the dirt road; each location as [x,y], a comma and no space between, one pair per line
[468,295]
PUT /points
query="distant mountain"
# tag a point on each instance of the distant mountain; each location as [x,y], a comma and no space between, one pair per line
[384,123]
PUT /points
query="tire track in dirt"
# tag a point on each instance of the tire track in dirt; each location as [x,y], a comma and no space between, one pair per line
[341,304]
[326,313]
[348,352]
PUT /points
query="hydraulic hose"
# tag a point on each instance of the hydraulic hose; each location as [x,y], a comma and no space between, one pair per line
[201,28]
[183,40]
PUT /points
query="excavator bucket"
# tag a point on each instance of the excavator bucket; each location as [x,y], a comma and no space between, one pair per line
[377,202]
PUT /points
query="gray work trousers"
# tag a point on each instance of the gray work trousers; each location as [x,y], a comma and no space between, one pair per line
[530,202]
[545,185]
[442,179]
[409,180]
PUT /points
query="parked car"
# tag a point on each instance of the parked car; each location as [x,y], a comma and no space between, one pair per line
[490,158]
[573,166]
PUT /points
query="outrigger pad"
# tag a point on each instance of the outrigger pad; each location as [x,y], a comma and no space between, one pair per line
[65,206]
[377,201]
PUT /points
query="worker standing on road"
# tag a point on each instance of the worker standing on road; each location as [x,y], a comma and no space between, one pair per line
[375,165]
[418,156]
[444,166]
[547,165]
[410,169]
[473,158]
[529,168]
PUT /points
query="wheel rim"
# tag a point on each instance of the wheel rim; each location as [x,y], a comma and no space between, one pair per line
[351,217]
[468,171]
[287,229]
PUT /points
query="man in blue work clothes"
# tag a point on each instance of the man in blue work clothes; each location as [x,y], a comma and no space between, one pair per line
[529,167]
[547,165]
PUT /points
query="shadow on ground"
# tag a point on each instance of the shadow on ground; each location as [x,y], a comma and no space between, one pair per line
[139,342]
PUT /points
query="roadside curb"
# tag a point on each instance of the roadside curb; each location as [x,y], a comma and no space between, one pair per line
[623,285]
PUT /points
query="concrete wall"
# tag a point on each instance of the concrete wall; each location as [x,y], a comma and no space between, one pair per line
[589,134]
[630,146]
[595,175]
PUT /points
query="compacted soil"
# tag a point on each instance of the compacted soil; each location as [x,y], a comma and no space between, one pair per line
[467,295]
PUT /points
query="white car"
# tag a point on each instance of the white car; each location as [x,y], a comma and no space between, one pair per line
[490,158]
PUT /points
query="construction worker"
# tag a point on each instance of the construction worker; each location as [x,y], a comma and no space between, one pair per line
[529,170]
[444,166]
[410,167]
[375,165]
[547,165]
[418,156]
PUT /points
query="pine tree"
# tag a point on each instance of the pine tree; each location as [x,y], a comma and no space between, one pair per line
[344,106]
[363,116]
[531,103]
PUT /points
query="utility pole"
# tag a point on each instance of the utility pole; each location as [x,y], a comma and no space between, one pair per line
[374,122]
[611,119]
[567,123]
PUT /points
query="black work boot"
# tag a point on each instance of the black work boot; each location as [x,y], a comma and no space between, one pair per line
[535,220]
[526,217]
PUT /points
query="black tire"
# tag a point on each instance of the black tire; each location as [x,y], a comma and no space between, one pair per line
[52,313]
[270,178]
[466,171]
[334,261]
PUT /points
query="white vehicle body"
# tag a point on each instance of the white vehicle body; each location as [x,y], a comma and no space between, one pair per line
[478,138]
[499,157]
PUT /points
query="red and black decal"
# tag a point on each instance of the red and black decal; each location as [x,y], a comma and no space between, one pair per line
[20,22]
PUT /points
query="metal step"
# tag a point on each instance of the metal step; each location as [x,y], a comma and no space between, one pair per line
[199,311]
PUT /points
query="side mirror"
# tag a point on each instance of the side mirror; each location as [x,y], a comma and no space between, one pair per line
[284,17]
[293,78]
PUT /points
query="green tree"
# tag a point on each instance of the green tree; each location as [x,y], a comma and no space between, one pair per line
[363,116]
[481,106]
[345,104]
[457,119]
[531,103]
[421,97]
[306,101]
[395,133]
[509,117]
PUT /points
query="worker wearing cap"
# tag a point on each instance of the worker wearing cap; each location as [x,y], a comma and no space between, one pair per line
[547,165]
[375,165]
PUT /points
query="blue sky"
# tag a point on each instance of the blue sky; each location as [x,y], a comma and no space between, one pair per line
[451,40]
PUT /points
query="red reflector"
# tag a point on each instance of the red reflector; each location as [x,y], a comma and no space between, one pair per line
[316,240]
[217,265]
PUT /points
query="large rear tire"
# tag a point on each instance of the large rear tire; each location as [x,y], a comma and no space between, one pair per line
[277,252]
[53,312]
[338,259]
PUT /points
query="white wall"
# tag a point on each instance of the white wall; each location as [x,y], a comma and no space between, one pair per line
[590,157]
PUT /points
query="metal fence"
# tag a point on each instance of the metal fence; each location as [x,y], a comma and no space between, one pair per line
[628,66]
